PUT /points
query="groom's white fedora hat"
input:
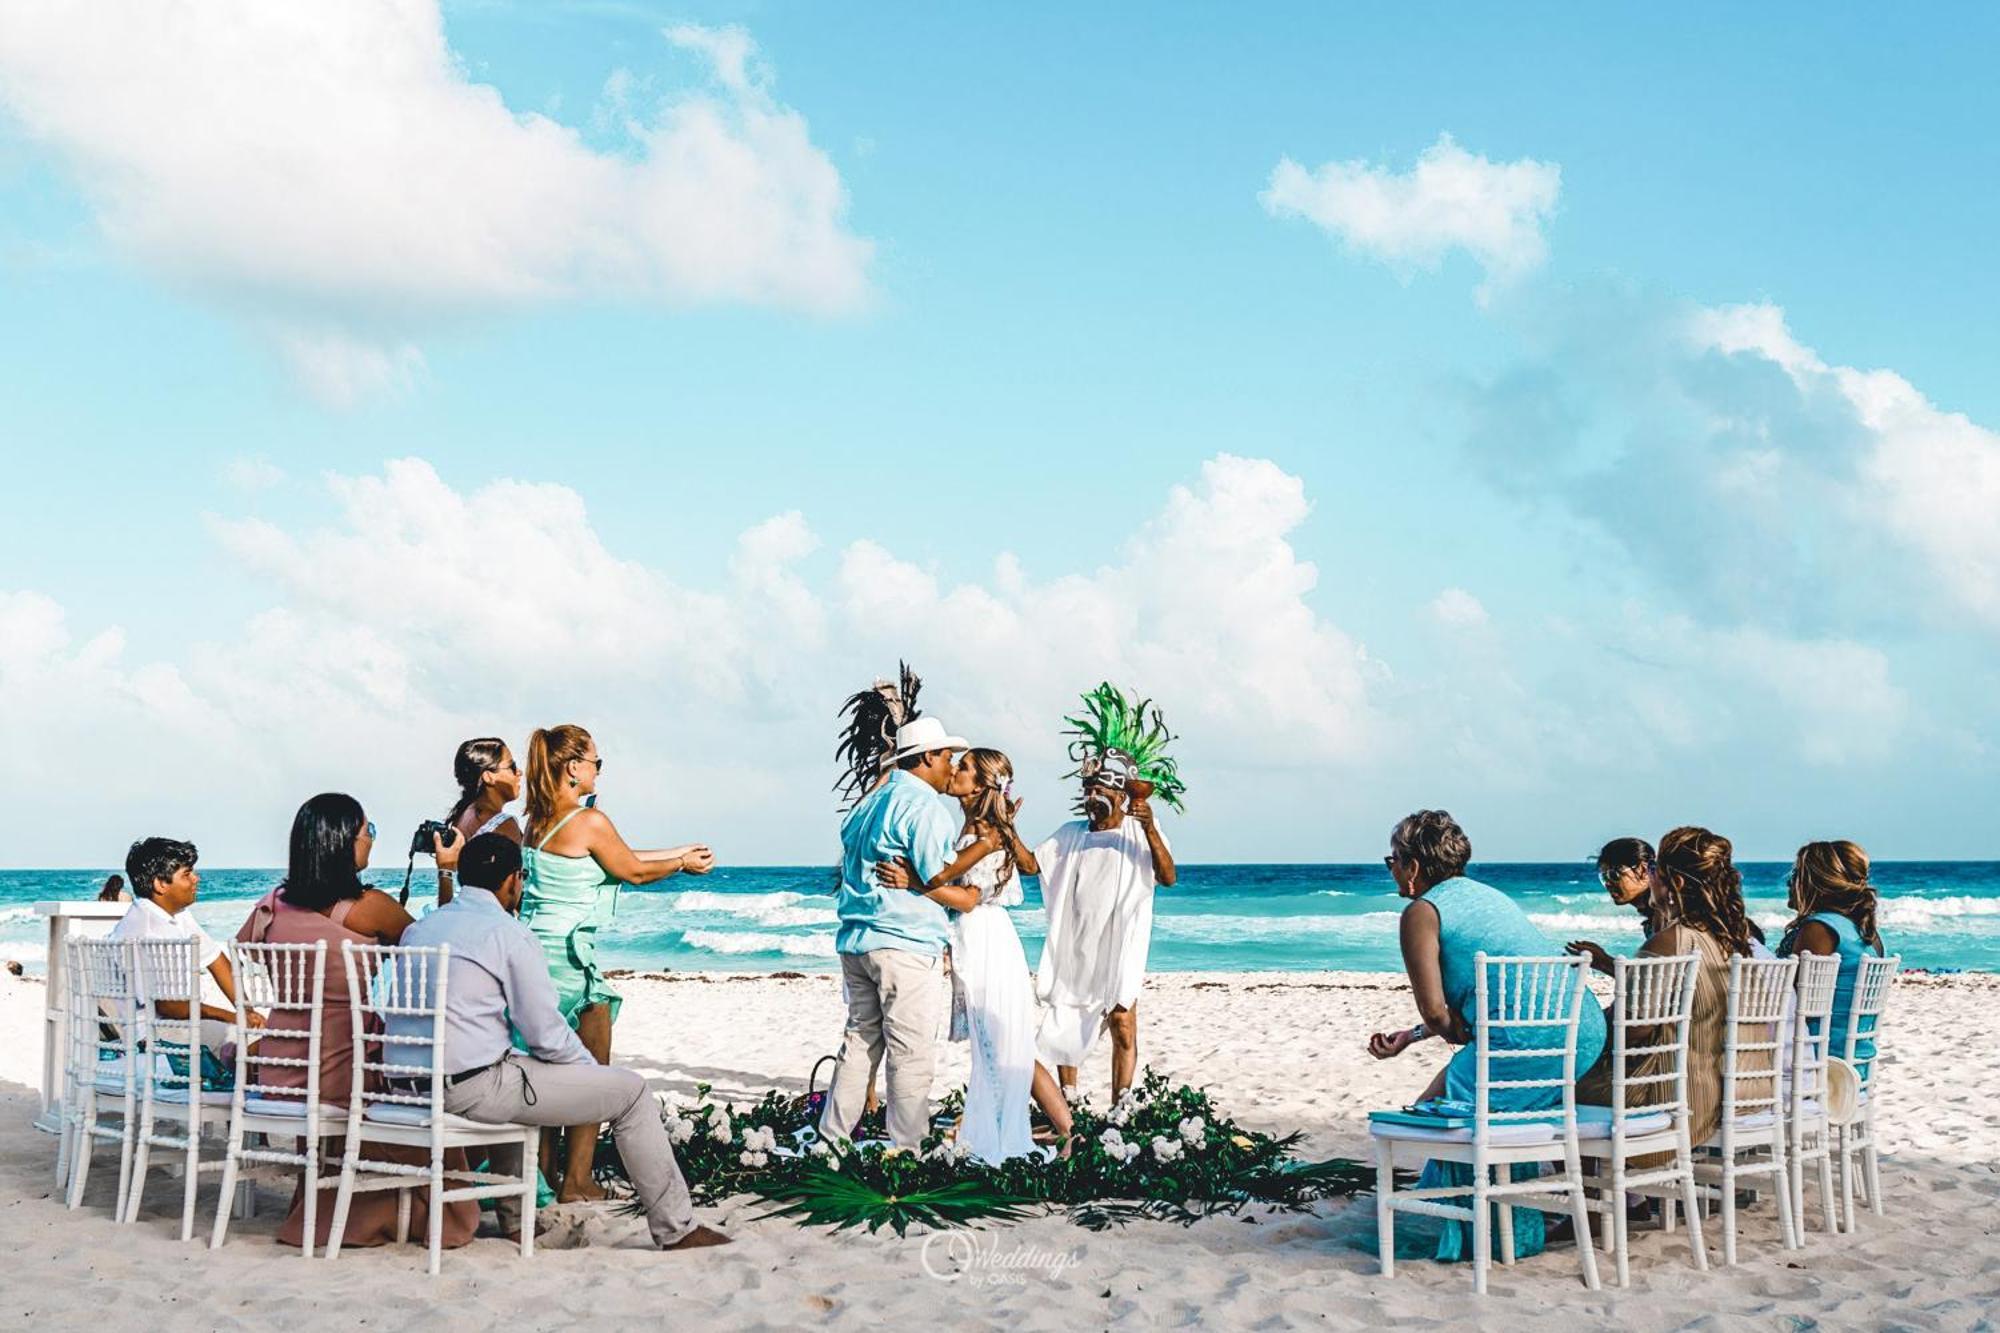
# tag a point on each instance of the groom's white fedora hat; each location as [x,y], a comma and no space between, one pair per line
[924,734]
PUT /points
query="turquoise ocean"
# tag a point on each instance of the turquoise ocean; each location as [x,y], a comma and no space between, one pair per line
[1228,918]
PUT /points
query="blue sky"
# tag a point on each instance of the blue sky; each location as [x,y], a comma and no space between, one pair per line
[1069,301]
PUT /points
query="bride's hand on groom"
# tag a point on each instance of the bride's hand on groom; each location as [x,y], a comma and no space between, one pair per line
[895,875]
[1386,1045]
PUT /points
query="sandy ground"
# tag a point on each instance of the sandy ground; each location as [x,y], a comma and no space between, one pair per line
[1281,1051]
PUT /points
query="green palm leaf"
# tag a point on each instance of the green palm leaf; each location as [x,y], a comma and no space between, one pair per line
[827,1198]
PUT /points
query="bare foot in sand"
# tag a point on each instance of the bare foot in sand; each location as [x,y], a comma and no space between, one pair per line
[583,1190]
[698,1239]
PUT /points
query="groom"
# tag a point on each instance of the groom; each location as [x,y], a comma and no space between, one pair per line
[890,941]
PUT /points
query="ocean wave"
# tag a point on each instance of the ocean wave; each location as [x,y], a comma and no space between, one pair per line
[752,941]
[1921,912]
[1620,924]
[766,909]
[1239,929]
[14,915]
[28,953]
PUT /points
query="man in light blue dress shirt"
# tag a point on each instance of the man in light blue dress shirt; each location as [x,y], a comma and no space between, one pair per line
[890,941]
[498,974]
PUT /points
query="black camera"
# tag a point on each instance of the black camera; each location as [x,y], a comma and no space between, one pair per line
[420,841]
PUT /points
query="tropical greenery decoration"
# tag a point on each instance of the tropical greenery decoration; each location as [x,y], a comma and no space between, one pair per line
[1161,1153]
[1114,723]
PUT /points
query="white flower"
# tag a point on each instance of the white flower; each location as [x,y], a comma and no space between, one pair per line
[818,1148]
[1166,1149]
[679,1130]
[1072,1094]
[720,1133]
[760,1138]
[1195,1131]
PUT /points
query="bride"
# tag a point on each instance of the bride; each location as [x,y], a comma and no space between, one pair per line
[989,970]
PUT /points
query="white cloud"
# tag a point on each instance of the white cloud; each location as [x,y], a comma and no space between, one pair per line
[329,168]
[420,613]
[1929,478]
[1451,200]
[1456,608]
[251,474]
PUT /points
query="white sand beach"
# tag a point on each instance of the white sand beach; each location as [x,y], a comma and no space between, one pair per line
[1281,1052]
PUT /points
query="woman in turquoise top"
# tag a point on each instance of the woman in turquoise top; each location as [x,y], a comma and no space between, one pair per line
[1450,920]
[575,863]
[1834,907]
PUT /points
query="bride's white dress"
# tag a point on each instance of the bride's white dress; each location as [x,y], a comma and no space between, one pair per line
[990,975]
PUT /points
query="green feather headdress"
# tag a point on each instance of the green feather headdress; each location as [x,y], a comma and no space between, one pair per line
[1115,725]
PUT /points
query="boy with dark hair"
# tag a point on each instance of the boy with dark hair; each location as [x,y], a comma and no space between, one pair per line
[164,886]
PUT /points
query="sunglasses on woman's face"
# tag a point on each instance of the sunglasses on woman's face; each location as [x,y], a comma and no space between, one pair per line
[371,828]
[1389,861]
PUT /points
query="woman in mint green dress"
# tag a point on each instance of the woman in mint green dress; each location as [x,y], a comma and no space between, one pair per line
[1451,920]
[575,864]
[1834,904]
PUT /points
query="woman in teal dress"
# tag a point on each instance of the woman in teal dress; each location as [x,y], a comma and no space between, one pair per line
[575,863]
[1834,915]
[1450,920]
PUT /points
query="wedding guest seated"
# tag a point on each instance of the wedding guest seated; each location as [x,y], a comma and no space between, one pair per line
[1625,868]
[322,898]
[164,887]
[1450,920]
[1833,903]
[497,972]
[114,891]
[1700,892]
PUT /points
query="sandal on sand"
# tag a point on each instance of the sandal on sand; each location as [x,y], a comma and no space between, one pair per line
[698,1239]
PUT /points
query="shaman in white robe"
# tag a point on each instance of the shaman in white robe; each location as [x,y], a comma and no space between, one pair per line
[1097,889]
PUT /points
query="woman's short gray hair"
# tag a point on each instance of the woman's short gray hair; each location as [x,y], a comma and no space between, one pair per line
[1432,841]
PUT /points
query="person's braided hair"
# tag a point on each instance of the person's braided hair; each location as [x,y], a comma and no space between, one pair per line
[1704,888]
[1833,877]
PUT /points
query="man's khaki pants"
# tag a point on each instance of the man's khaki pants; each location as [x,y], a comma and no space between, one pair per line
[522,1090]
[894,1002]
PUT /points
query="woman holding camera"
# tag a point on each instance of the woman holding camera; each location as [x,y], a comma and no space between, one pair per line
[488,779]
[576,862]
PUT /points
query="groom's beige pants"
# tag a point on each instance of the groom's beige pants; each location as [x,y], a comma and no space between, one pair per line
[894,1002]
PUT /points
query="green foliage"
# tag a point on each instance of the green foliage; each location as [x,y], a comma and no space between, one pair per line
[1116,722]
[1164,1153]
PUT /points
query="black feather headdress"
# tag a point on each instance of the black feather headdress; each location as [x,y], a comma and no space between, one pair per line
[873,717]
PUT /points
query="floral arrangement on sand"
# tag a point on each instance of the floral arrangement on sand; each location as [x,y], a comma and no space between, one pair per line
[1163,1153]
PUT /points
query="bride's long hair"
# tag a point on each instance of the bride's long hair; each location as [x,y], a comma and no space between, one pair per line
[990,806]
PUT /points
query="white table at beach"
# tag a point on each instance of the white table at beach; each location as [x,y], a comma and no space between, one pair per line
[91,920]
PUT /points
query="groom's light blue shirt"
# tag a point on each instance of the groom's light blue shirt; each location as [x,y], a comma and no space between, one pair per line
[903,819]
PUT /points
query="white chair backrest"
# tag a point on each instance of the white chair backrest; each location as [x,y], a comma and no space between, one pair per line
[1760,993]
[287,983]
[103,1001]
[170,970]
[1873,980]
[398,996]
[1653,1014]
[1812,1027]
[1535,995]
